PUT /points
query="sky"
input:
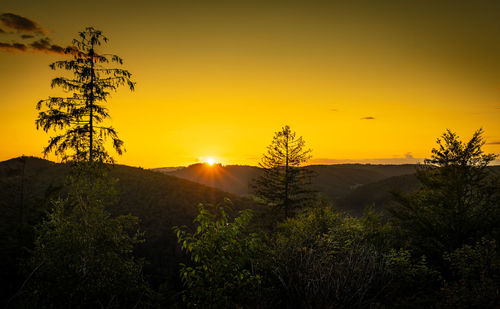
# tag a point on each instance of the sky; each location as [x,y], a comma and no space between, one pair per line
[361,81]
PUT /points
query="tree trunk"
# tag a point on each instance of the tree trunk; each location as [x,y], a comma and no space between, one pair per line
[286,179]
[91,104]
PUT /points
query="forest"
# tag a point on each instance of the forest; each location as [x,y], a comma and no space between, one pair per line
[89,233]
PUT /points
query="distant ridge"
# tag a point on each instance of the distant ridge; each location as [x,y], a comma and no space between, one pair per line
[167,169]
[349,186]
[332,181]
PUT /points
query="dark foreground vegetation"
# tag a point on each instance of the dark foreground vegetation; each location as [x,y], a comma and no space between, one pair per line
[30,188]
[129,240]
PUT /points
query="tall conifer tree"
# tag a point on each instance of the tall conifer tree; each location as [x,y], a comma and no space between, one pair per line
[457,203]
[78,119]
[284,184]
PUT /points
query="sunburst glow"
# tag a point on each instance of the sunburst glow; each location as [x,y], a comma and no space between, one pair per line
[210,161]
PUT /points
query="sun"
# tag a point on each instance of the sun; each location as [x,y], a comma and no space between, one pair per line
[210,161]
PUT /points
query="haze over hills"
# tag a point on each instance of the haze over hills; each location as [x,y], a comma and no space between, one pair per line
[378,193]
[332,182]
[230,178]
[336,181]
[351,187]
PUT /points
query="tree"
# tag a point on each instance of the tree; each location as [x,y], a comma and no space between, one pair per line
[78,119]
[82,256]
[223,274]
[284,184]
[457,203]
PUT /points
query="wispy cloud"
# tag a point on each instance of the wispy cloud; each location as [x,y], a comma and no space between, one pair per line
[18,23]
[368,118]
[334,110]
[13,47]
[493,143]
[44,45]
[26,29]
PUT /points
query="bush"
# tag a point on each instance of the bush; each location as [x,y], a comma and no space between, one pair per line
[222,273]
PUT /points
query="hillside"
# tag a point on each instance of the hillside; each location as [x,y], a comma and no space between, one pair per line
[336,181]
[160,201]
[377,193]
[230,178]
[380,193]
[139,189]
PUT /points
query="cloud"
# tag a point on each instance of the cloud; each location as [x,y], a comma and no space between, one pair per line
[44,45]
[28,29]
[408,155]
[334,110]
[11,47]
[20,24]
[367,118]
[493,143]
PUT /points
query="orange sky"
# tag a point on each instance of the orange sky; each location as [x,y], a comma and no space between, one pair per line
[218,78]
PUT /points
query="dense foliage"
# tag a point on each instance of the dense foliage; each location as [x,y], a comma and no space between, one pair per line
[224,253]
[82,246]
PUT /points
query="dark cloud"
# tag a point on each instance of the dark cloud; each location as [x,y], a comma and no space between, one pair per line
[20,24]
[368,118]
[27,29]
[493,143]
[10,47]
[41,45]
[44,45]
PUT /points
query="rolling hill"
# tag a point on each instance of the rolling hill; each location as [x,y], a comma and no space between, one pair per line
[27,186]
[332,181]
[32,182]
[230,178]
[378,193]
[351,187]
